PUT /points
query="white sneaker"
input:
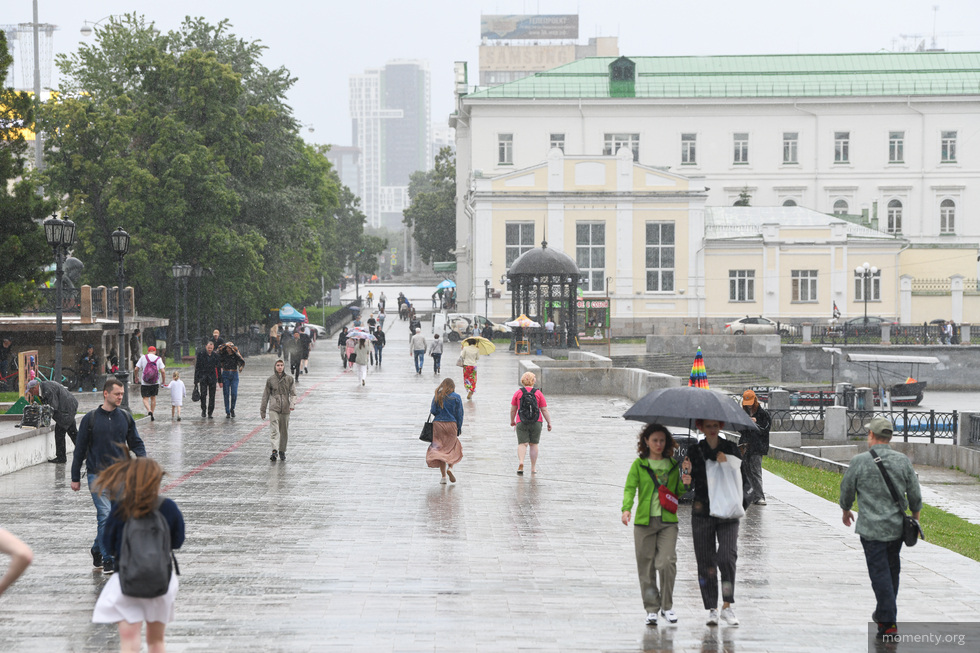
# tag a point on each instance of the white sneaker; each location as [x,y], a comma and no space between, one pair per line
[651,618]
[669,616]
[442,480]
[712,618]
[728,616]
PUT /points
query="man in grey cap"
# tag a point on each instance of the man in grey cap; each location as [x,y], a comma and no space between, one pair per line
[64,407]
[879,521]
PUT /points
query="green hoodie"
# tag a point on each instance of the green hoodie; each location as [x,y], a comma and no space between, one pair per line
[639,480]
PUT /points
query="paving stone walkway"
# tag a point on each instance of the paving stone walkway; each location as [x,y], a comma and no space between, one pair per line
[353,545]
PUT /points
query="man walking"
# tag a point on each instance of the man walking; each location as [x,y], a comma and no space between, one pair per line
[64,407]
[207,372]
[293,350]
[99,435]
[232,363]
[379,344]
[753,445]
[150,370]
[879,522]
[417,347]
[88,369]
[280,398]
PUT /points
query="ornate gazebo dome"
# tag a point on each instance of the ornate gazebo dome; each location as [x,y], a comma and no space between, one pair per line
[543,261]
[544,285]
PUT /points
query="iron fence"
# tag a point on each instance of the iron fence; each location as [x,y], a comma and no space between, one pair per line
[807,422]
[974,429]
[71,301]
[908,423]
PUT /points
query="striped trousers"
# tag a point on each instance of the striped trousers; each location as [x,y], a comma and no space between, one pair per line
[712,560]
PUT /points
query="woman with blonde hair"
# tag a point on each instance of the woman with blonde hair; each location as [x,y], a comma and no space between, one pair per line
[133,484]
[447,423]
[528,409]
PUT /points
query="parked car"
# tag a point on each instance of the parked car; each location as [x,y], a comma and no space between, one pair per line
[320,331]
[861,326]
[755,326]
[456,326]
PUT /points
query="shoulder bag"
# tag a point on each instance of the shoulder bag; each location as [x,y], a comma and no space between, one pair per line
[459,361]
[668,500]
[426,435]
[911,530]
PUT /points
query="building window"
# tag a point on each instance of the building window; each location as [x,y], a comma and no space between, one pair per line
[519,238]
[804,285]
[874,291]
[741,148]
[789,203]
[741,285]
[689,149]
[842,147]
[896,147]
[791,142]
[660,257]
[894,217]
[557,140]
[948,148]
[590,255]
[947,217]
[505,149]
[615,141]
[840,207]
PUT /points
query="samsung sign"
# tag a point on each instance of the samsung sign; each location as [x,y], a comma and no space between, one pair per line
[519,26]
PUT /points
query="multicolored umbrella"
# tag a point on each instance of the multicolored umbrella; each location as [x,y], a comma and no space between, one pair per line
[523,321]
[699,375]
[363,335]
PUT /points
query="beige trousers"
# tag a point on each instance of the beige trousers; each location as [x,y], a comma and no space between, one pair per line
[656,553]
[279,430]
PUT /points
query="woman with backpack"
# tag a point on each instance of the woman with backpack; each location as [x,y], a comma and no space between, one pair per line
[135,534]
[529,408]
[655,526]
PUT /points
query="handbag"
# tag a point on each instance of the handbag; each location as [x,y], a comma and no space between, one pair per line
[352,358]
[911,530]
[725,487]
[668,500]
[426,435]
[459,361]
[196,395]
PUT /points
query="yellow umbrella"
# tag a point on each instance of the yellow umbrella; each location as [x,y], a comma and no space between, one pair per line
[482,344]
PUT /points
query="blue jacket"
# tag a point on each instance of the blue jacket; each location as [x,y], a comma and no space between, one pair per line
[96,445]
[451,411]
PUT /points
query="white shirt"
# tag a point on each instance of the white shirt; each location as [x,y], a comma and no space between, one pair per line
[549,326]
[144,361]
[177,392]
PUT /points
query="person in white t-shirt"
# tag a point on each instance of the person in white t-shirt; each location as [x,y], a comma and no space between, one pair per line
[177,393]
[151,373]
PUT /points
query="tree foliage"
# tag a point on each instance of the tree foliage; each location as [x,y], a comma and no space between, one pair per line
[24,252]
[185,140]
[432,211]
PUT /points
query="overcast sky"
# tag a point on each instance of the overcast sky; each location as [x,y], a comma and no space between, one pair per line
[323,42]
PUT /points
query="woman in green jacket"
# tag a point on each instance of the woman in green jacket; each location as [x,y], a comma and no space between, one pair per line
[655,528]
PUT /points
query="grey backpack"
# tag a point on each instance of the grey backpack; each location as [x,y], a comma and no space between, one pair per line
[145,558]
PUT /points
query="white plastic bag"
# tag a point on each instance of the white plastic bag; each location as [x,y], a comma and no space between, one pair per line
[725,487]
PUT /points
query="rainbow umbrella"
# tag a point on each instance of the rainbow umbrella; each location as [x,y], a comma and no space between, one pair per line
[699,375]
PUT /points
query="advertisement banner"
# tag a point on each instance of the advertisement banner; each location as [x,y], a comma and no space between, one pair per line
[523,26]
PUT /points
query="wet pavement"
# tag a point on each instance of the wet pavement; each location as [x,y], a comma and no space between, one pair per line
[353,545]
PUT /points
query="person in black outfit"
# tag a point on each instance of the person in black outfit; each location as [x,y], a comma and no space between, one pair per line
[293,350]
[207,371]
[64,407]
[379,344]
[342,345]
[305,344]
[753,445]
[88,369]
[6,355]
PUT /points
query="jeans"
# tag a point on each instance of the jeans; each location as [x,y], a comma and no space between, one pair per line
[229,384]
[884,566]
[419,359]
[377,353]
[752,477]
[437,362]
[102,507]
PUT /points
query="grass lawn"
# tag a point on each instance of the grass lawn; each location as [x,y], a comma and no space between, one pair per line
[9,396]
[941,528]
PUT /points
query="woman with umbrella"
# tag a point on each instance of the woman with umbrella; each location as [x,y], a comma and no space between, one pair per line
[362,354]
[469,356]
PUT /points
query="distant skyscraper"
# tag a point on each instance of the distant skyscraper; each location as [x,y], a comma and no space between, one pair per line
[390,114]
[346,161]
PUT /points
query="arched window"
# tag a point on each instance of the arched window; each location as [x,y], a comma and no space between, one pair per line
[894,217]
[789,203]
[947,217]
[840,207]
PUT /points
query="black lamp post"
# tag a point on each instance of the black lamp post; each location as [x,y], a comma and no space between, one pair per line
[486,298]
[176,269]
[866,271]
[185,274]
[60,234]
[120,245]
[198,272]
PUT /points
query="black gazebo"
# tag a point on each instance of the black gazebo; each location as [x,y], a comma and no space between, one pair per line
[544,283]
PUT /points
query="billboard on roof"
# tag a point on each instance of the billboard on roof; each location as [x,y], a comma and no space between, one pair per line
[526,26]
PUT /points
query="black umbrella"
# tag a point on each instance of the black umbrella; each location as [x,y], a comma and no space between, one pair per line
[681,406]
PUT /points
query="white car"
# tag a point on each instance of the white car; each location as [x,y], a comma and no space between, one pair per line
[457,326]
[320,331]
[755,326]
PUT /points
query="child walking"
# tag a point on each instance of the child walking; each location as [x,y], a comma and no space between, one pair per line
[177,393]
[133,484]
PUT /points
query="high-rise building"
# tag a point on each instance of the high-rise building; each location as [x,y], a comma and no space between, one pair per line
[390,115]
[346,161]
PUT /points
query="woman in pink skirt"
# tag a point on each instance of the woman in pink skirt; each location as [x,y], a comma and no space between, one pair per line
[447,423]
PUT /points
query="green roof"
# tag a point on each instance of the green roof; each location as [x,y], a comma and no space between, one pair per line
[778,75]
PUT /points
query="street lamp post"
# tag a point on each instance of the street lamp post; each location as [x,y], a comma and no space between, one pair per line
[60,234]
[198,272]
[866,271]
[186,273]
[120,245]
[177,269]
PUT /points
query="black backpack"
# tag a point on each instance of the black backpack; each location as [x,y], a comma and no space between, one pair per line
[528,408]
[145,557]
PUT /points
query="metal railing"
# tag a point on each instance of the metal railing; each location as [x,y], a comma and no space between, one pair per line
[807,422]
[908,423]
[974,429]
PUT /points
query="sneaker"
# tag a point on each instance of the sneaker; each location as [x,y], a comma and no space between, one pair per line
[80,390]
[94,390]
[760,502]
[669,616]
[108,567]
[442,481]
[728,616]
[178,419]
[282,455]
[227,415]
[97,559]
[210,416]
[274,455]
[57,460]
[651,619]
[886,632]
[203,414]
[712,618]
[232,413]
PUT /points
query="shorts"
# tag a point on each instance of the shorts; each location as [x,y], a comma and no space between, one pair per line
[147,390]
[529,433]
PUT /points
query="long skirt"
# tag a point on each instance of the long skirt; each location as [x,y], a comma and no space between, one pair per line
[445,447]
[469,378]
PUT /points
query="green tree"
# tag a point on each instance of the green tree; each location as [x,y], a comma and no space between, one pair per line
[24,252]
[432,211]
[743,198]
